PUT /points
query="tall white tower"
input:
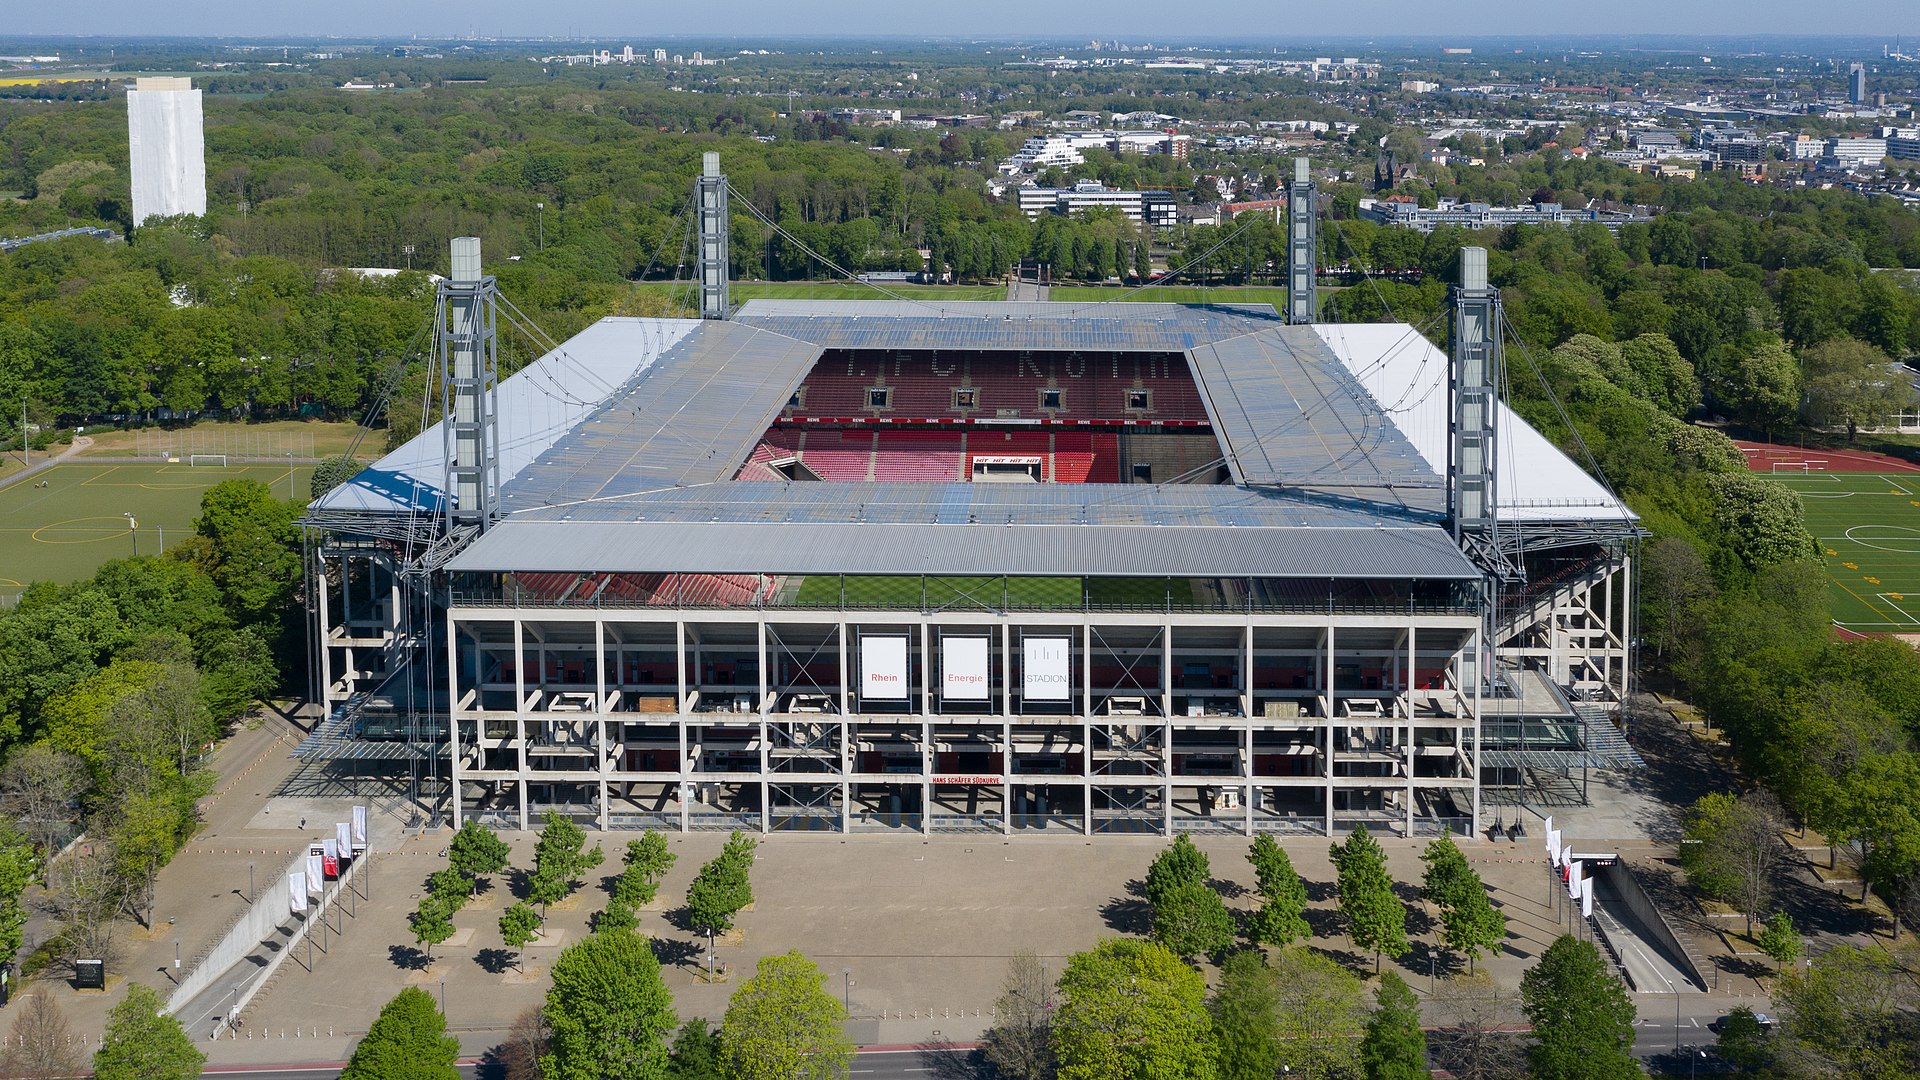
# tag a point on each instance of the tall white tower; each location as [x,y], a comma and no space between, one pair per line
[168,148]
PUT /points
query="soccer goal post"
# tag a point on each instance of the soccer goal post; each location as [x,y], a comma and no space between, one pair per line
[1790,467]
[219,460]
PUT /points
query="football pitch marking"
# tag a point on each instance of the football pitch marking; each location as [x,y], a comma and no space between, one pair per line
[1906,540]
[1889,598]
[107,532]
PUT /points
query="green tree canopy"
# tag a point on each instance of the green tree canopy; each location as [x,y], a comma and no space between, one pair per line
[1376,919]
[1281,917]
[1246,1019]
[559,858]
[782,1024]
[1395,1047]
[1192,921]
[608,1011]
[1581,1015]
[408,1041]
[143,1043]
[1131,1010]
[477,851]
[1180,863]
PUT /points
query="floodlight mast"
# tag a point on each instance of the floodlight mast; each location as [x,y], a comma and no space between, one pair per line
[710,204]
[1303,246]
[1475,376]
[469,388]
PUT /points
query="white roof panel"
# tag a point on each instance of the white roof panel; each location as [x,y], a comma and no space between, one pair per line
[1407,376]
[538,404]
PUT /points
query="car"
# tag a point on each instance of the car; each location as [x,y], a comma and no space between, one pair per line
[1765,1021]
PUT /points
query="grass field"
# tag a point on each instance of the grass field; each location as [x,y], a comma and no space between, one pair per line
[1868,529]
[63,531]
[269,438]
[988,593]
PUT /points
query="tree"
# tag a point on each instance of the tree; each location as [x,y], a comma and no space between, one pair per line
[696,1053]
[450,887]
[1762,386]
[1192,921]
[1322,1011]
[723,886]
[608,1011]
[1245,1013]
[1742,1041]
[431,922]
[782,1024]
[1762,522]
[477,852]
[143,1043]
[559,858]
[644,866]
[1180,863]
[408,1041]
[519,1056]
[1475,1040]
[1473,925]
[1850,1015]
[1131,1010]
[40,1043]
[1780,940]
[1850,384]
[42,786]
[331,473]
[1581,1015]
[1448,877]
[1280,919]
[1376,920]
[1665,377]
[254,549]
[1733,849]
[1017,1043]
[519,927]
[1395,1047]
[19,867]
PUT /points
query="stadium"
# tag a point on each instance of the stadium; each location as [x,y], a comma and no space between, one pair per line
[999,567]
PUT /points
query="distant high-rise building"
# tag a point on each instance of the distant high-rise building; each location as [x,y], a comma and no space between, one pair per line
[167,145]
[626,55]
[1857,84]
[659,56]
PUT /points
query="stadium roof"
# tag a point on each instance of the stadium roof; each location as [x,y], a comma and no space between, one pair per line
[968,550]
[629,434]
[1406,376]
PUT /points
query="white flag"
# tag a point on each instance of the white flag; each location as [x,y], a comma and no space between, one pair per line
[1586,900]
[296,892]
[316,874]
[1548,827]
[1573,880]
[1553,847]
[360,828]
[342,833]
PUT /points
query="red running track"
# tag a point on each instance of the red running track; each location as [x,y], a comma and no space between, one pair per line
[1761,457]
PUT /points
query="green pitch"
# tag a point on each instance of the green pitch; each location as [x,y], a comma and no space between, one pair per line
[1868,529]
[62,532]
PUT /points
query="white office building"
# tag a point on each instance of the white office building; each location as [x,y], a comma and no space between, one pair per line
[168,148]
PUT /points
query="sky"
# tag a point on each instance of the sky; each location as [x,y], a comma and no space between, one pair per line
[1134,20]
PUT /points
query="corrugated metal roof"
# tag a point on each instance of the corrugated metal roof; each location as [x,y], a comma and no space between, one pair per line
[816,502]
[965,550]
[539,404]
[1288,412]
[690,417]
[979,325]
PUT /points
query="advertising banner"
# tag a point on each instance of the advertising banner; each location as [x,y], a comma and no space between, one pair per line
[342,840]
[296,893]
[963,669]
[883,667]
[1047,668]
[316,874]
[330,858]
[359,828]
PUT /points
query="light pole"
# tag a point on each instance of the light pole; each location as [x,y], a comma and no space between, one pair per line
[540,222]
[249,883]
[846,991]
[290,491]
[443,998]
[133,531]
[408,249]
[709,954]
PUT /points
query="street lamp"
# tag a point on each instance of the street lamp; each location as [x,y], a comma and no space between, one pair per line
[540,222]
[133,530]
[846,992]
[443,998]
[408,250]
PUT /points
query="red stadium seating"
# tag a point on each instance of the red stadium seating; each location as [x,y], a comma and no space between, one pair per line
[922,385]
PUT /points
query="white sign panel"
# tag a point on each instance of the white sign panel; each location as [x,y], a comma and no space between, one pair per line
[1047,672]
[883,667]
[963,668]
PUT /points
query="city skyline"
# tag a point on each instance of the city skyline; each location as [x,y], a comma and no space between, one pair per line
[1134,19]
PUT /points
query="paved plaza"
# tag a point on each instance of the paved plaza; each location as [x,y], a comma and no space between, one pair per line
[914,931]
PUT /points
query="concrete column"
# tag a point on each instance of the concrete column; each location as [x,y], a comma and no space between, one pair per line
[1328,686]
[1406,697]
[1086,728]
[453,718]
[766,707]
[1166,728]
[680,716]
[519,716]
[600,712]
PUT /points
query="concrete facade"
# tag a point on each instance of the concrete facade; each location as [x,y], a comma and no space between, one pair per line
[167,146]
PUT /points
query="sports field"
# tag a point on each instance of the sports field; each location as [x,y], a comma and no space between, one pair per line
[62,531]
[1868,529]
